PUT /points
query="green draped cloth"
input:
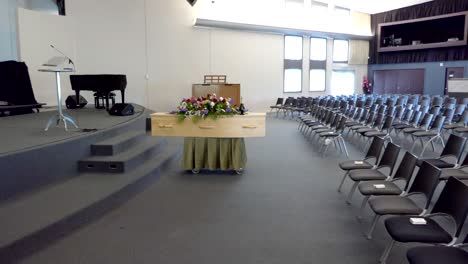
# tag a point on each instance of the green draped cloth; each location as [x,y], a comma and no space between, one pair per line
[214,153]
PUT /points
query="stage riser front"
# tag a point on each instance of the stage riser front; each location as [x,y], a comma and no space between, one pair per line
[27,170]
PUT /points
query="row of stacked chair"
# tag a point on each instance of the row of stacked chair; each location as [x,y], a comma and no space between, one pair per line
[379,121]
[399,186]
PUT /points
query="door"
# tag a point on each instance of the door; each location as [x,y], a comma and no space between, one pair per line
[453,72]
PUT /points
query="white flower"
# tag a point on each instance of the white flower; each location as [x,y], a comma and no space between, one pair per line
[221,99]
[212,104]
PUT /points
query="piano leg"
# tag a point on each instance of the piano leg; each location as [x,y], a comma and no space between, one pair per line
[122,92]
[77,93]
[107,101]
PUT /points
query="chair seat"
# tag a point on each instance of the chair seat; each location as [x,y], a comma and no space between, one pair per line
[328,134]
[411,130]
[375,134]
[397,205]
[402,126]
[325,129]
[364,130]
[352,123]
[319,127]
[367,175]
[358,127]
[436,162]
[457,173]
[425,134]
[401,230]
[275,106]
[367,188]
[350,165]
[462,130]
[453,126]
[437,255]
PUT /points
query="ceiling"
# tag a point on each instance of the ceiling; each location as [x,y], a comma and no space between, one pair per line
[374,6]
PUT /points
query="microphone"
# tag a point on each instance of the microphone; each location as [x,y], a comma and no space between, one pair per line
[69,60]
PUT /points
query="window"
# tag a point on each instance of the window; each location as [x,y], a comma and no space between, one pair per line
[340,50]
[318,57]
[342,82]
[341,11]
[292,64]
[294,3]
[319,8]
[318,49]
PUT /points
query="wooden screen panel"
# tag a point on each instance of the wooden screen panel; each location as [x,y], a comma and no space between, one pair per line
[407,81]
[221,90]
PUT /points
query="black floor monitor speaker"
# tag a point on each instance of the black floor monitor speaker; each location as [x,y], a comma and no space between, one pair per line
[72,103]
[122,110]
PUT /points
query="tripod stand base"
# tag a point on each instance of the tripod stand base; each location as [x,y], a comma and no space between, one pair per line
[60,118]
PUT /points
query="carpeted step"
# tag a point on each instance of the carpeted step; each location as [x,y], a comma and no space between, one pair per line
[31,222]
[117,144]
[125,160]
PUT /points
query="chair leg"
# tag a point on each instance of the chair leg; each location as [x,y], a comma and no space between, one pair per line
[351,192]
[372,227]
[384,257]
[363,206]
[342,181]
[344,146]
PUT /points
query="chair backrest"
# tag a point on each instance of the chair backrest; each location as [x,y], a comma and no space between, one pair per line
[336,120]
[357,114]
[426,120]
[406,168]
[370,118]
[449,114]
[454,147]
[364,114]
[438,101]
[378,120]
[341,126]
[460,109]
[279,101]
[382,109]
[424,109]
[426,181]
[453,201]
[416,116]
[389,157]
[388,122]
[391,110]
[465,162]
[375,148]
[407,116]
[417,108]
[399,112]
[435,110]
[438,123]
[373,108]
[424,102]
[464,118]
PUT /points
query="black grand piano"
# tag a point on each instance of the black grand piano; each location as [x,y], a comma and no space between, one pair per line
[102,85]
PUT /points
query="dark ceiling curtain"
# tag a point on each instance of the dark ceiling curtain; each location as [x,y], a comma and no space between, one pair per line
[434,8]
[61,7]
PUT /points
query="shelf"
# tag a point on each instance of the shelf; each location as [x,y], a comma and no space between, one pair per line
[433,32]
[424,46]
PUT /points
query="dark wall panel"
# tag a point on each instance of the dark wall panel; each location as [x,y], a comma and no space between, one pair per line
[434,8]
[409,81]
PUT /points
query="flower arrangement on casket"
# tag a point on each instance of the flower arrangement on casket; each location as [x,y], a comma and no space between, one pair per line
[205,107]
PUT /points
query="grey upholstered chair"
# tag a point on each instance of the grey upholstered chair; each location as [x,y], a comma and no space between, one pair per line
[404,173]
[388,160]
[424,184]
[373,153]
[452,204]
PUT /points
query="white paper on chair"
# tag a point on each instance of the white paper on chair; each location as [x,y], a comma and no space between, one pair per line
[358,162]
[379,186]
[418,221]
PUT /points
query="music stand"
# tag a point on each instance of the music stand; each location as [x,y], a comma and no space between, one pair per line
[60,116]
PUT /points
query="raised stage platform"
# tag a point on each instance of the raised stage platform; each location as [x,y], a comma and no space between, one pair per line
[54,182]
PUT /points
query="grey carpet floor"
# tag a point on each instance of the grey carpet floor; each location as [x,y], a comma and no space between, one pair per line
[283,209]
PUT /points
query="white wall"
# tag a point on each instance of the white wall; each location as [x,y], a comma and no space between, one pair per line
[111,38]
[36,32]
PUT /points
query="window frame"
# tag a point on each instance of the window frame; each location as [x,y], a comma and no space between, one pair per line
[289,64]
